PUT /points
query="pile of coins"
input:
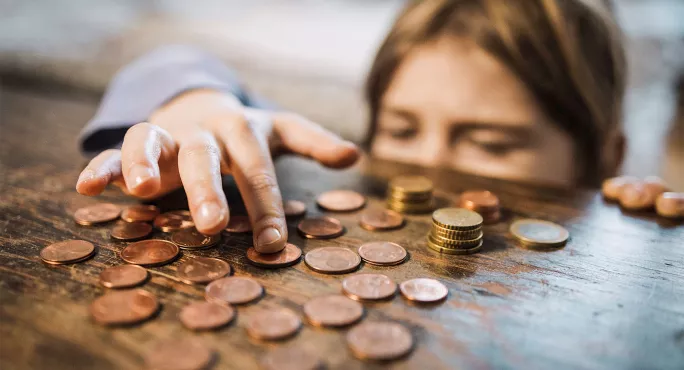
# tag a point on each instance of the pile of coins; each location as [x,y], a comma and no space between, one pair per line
[410,194]
[455,231]
[483,202]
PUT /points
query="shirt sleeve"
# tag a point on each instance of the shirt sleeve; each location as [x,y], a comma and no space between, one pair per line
[148,83]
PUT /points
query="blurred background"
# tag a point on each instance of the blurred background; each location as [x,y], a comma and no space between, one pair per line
[311,56]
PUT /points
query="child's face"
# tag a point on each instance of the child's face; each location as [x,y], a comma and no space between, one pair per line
[450,104]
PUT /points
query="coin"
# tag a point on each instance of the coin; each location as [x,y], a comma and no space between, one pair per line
[173,221]
[332,260]
[179,354]
[320,228]
[411,184]
[286,257]
[239,224]
[124,307]
[423,290]
[206,315]
[233,290]
[333,311]
[381,219]
[539,233]
[273,324]
[291,358]
[455,234]
[68,251]
[479,201]
[447,250]
[379,341]
[202,270]
[130,230]
[382,253]
[457,218]
[294,208]
[97,213]
[369,287]
[454,243]
[140,213]
[190,238]
[153,252]
[341,200]
[123,276]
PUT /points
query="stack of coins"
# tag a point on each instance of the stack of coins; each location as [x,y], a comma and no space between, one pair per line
[483,202]
[455,231]
[410,194]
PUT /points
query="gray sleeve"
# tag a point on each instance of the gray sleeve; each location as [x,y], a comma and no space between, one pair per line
[147,84]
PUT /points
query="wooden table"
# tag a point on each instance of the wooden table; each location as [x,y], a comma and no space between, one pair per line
[612,298]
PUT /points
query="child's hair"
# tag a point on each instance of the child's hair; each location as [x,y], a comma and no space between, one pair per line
[568,53]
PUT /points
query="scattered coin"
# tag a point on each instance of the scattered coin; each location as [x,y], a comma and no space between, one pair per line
[191,238]
[173,221]
[179,354]
[68,251]
[379,341]
[234,290]
[291,358]
[239,224]
[457,219]
[202,270]
[294,208]
[320,228]
[273,324]
[376,219]
[206,315]
[539,233]
[123,276]
[369,287]
[383,253]
[332,260]
[670,204]
[124,307]
[333,311]
[128,231]
[341,200]
[153,252]
[423,290]
[140,213]
[289,256]
[96,214]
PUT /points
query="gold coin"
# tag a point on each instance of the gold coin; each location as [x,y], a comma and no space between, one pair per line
[539,233]
[457,219]
[411,184]
[444,250]
[455,234]
[452,243]
[409,198]
[406,208]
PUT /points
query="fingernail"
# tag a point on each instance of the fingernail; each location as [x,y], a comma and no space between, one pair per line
[209,215]
[268,236]
[139,174]
[86,175]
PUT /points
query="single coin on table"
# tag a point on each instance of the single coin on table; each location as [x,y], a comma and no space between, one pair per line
[332,260]
[233,290]
[206,315]
[68,251]
[128,231]
[341,200]
[239,224]
[179,354]
[379,341]
[320,228]
[124,307]
[534,233]
[273,324]
[377,219]
[96,214]
[289,256]
[382,253]
[173,221]
[291,358]
[191,238]
[202,270]
[457,219]
[123,276]
[153,252]
[140,213]
[294,208]
[333,311]
[369,287]
[423,290]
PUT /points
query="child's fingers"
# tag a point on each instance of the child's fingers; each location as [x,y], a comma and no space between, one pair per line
[140,152]
[101,170]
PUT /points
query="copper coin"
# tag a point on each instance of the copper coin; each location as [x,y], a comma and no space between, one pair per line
[332,260]
[273,324]
[173,221]
[130,230]
[179,354]
[239,224]
[206,315]
[294,208]
[123,276]
[122,307]
[68,251]
[233,290]
[333,311]
[382,253]
[291,358]
[286,257]
[369,287]
[98,213]
[379,341]
[320,228]
[480,201]
[190,238]
[153,252]
[381,219]
[140,213]
[341,200]
[202,270]
[423,290]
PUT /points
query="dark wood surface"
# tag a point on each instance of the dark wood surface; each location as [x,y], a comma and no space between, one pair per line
[613,298]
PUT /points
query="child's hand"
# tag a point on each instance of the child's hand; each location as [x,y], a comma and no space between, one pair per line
[201,135]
